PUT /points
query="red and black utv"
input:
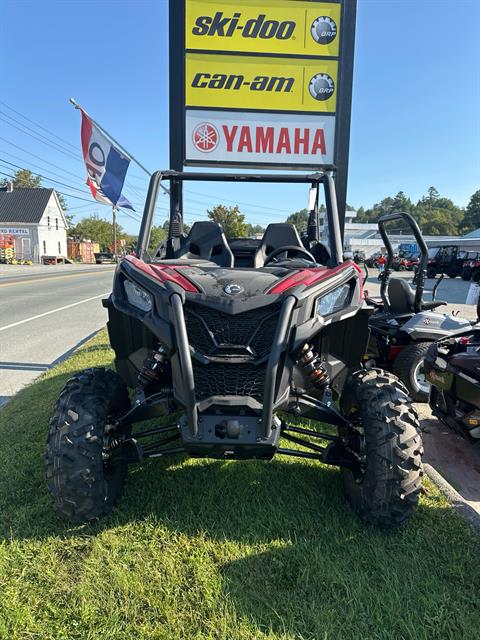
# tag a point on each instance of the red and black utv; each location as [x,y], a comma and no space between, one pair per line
[222,348]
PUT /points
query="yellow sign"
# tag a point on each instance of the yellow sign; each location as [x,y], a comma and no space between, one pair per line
[274,84]
[264,26]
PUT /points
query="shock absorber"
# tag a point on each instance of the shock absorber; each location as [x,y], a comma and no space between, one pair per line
[312,365]
[151,368]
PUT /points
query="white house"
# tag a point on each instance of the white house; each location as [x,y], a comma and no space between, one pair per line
[34,217]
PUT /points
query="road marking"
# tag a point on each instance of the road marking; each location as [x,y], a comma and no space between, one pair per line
[53,277]
[47,313]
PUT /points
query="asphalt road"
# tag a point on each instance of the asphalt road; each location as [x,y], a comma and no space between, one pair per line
[44,314]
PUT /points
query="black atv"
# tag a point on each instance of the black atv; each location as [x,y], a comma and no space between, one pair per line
[404,325]
[452,367]
[229,353]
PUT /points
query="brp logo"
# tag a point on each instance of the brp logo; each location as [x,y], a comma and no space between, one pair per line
[321,86]
[324,30]
[233,289]
[205,137]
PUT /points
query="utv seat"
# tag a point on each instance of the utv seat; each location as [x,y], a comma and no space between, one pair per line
[276,235]
[206,241]
[402,298]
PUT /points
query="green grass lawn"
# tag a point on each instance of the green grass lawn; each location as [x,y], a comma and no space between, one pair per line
[209,549]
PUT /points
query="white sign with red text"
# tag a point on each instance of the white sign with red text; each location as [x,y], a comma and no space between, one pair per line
[289,139]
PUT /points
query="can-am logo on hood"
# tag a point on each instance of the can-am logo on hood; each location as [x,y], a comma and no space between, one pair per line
[259,27]
[324,30]
[233,289]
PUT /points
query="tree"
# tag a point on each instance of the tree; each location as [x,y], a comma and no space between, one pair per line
[24,179]
[98,230]
[472,214]
[230,218]
[157,235]
[255,230]
[63,204]
[438,216]
[299,219]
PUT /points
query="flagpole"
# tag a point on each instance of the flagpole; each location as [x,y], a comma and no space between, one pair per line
[114,230]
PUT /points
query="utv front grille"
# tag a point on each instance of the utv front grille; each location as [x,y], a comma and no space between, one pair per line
[211,331]
[219,379]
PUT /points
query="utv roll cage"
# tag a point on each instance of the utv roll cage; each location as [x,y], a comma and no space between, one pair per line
[177,178]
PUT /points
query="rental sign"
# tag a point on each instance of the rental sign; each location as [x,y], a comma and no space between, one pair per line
[261,83]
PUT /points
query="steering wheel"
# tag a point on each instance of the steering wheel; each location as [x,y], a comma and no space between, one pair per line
[287,249]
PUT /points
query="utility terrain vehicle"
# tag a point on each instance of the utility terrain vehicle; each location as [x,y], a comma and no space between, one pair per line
[229,345]
[453,368]
[448,260]
[404,325]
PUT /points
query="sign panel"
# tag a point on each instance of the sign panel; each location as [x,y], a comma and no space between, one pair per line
[274,84]
[271,26]
[262,83]
[219,137]
[14,231]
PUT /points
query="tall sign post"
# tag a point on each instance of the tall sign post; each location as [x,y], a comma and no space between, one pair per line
[262,84]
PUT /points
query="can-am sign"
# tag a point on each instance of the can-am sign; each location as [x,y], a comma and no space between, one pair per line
[259,83]
[271,83]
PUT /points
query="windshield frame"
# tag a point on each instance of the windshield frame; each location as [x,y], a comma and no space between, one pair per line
[176,179]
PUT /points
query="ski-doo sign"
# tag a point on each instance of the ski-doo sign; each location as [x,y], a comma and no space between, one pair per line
[261,83]
[272,26]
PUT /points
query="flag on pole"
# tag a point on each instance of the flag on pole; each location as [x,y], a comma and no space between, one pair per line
[106,165]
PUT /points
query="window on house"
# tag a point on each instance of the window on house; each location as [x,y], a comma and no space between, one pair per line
[44,248]
[59,248]
[56,224]
[48,222]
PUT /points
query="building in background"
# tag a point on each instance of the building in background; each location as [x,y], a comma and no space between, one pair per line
[82,250]
[34,219]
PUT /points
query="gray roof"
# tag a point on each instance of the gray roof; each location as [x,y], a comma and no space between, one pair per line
[23,205]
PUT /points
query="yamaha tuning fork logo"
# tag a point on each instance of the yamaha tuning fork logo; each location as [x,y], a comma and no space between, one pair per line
[324,30]
[322,86]
[206,137]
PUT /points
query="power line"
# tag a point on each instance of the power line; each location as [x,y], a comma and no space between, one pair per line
[39,175]
[69,195]
[32,130]
[39,158]
[37,125]
[48,144]
[51,163]
[2,151]
[245,204]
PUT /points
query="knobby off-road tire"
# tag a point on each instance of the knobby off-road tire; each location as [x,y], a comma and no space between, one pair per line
[408,365]
[81,485]
[387,491]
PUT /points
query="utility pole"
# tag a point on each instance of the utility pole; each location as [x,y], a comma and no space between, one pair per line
[114,232]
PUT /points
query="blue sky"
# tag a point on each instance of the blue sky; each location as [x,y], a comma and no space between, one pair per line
[416,99]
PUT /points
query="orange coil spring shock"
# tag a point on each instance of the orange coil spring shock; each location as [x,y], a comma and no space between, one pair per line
[310,362]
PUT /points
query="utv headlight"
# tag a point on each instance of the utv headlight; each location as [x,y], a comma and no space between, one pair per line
[334,301]
[137,296]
